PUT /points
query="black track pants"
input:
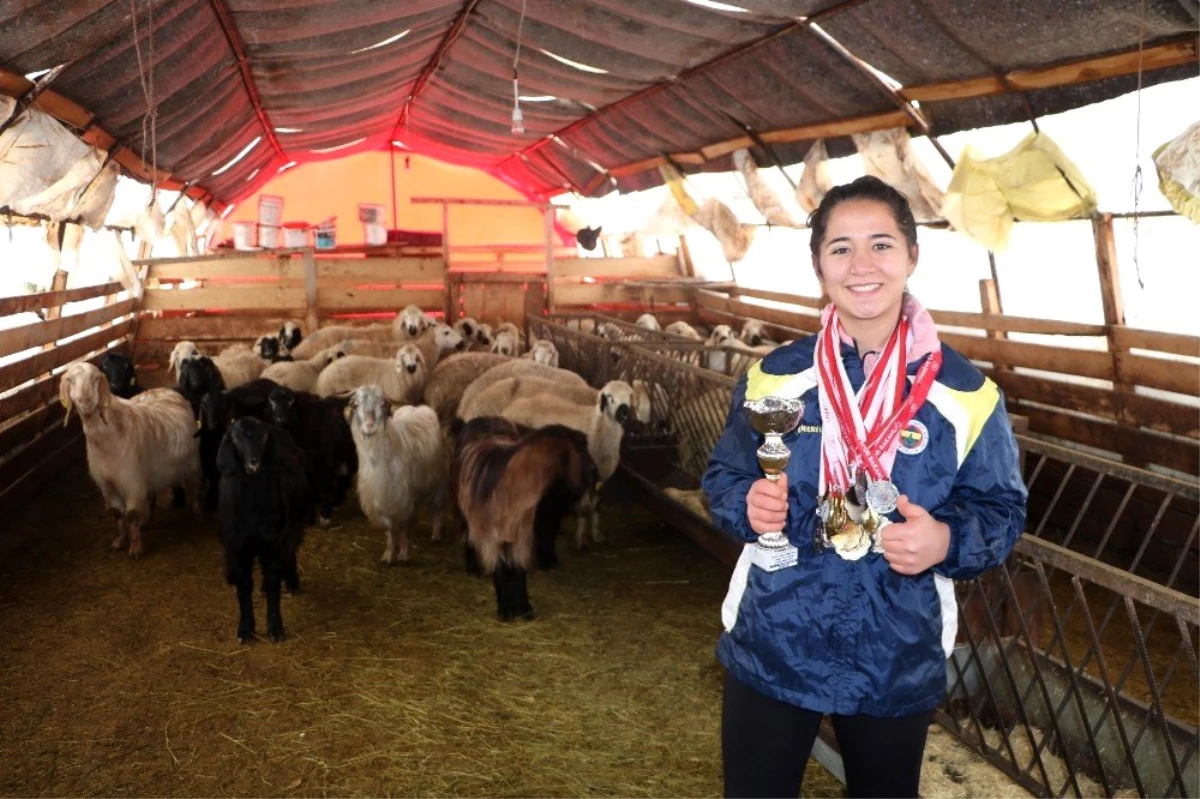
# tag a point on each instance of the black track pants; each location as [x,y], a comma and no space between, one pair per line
[766,744]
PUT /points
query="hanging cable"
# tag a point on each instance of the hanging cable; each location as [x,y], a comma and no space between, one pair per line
[146,76]
[1137,149]
[518,121]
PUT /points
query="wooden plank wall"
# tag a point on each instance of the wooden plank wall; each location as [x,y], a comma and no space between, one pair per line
[1054,385]
[218,300]
[623,287]
[34,443]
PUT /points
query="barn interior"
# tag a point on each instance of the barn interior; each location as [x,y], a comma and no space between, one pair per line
[208,171]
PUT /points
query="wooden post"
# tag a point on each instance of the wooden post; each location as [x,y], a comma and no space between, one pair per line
[449,301]
[1114,317]
[989,303]
[686,267]
[311,297]
[548,226]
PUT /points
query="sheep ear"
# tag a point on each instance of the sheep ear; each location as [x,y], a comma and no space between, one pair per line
[228,461]
[603,401]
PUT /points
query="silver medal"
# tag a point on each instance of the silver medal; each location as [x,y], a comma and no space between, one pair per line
[882,496]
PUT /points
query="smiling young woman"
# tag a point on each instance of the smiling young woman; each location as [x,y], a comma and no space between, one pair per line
[911,483]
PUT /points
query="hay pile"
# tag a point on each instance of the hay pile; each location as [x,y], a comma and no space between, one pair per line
[125,678]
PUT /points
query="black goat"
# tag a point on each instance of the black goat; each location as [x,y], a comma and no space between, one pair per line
[587,237]
[122,377]
[264,494]
[319,427]
[218,410]
[197,377]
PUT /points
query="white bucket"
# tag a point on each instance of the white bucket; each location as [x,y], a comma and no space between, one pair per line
[374,234]
[268,237]
[270,210]
[295,237]
[245,236]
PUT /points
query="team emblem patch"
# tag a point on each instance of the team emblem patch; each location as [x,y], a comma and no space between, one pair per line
[914,438]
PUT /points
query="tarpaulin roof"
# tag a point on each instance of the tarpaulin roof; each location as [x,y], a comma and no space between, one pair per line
[621,83]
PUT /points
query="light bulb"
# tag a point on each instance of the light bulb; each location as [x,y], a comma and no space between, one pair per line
[518,121]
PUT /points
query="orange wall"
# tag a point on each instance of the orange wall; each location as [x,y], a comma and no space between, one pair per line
[315,191]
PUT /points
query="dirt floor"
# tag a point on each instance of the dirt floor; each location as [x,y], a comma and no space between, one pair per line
[123,678]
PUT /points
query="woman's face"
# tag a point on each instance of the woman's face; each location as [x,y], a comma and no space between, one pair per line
[864,262]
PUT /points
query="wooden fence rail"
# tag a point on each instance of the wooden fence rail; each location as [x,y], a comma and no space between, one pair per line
[34,443]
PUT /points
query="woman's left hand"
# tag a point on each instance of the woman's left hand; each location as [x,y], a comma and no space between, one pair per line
[916,544]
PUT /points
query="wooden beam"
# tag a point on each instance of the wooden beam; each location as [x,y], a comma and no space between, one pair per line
[821,130]
[352,271]
[655,266]
[205,328]
[35,394]
[16,493]
[31,424]
[1128,338]
[36,334]
[452,33]
[1170,54]
[245,266]
[600,293]
[311,297]
[1068,361]
[234,38]
[18,372]
[473,201]
[1133,446]
[50,299]
[278,299]
[1137,410]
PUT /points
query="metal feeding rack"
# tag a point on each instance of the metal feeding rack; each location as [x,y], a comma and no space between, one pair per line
[1076,666]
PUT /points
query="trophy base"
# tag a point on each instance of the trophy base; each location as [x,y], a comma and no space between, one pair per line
[773,541]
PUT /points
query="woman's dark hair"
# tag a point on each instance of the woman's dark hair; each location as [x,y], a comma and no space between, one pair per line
[867,187]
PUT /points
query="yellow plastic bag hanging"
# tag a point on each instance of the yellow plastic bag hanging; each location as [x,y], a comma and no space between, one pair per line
[1034,182]
[1178,165]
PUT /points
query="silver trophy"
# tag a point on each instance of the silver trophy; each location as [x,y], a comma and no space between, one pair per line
[774,417]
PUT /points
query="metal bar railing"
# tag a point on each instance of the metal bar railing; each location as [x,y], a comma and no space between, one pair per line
[1050,680]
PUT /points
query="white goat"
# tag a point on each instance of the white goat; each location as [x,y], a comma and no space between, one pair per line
[135,448]
[401,378]
[401,465]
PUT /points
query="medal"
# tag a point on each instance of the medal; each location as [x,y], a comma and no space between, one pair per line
[882,496]
[860,434]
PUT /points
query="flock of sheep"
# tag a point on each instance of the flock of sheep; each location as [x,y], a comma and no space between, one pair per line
[464,420]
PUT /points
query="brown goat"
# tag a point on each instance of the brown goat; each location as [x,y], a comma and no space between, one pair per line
[513,489]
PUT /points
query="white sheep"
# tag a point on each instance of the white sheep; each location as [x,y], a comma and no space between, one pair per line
[450,378]
[435,344]
[401,378]
[543,352]
[648,321]
[401,466]
[754,334]
[239,367]
[517,334]
[135,447]
[395,331]
[602,421]
[506,343]
[518,368]
[683,329]
[302,375]
[413,322]
[183,351]
[483,339]
[466,328]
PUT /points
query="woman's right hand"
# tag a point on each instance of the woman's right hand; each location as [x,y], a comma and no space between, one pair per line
[766,505]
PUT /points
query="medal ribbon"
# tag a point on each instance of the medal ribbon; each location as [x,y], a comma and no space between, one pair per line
[869,427]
